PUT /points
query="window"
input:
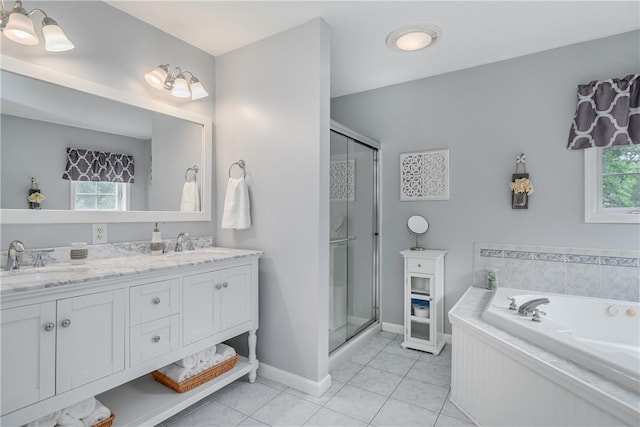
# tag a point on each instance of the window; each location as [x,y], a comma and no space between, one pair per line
[612,184]
[99,196]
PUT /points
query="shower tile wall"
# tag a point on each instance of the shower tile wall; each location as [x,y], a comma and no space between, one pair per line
[603,273]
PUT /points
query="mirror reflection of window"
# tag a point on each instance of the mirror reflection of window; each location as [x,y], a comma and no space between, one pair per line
[99,196]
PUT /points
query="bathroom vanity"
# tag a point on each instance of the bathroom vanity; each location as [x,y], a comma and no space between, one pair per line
[70,332]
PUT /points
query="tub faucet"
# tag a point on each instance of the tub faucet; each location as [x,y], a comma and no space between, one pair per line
[181,239]
[529,306]
[16,247]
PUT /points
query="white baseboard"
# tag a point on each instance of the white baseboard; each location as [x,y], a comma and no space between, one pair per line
[305,385]
[399,329]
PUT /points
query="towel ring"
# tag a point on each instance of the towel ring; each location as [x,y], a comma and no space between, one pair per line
[240,164]
[193,169]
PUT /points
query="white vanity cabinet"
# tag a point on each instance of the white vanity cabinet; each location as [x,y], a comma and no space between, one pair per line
[424,300]
[66,343]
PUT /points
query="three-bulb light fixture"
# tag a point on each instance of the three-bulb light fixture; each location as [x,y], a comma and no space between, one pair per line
[176,81]
[17,26]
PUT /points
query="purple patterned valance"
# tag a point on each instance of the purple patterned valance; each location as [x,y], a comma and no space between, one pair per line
[608,113]
[87,165]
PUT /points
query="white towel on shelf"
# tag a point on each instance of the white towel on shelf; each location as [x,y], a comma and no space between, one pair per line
[67,420]
[190,197]
[217,359]
[237,212]
[176,373]
[46,421]
[188,362]
[226,351]
[80,409]
[100,413]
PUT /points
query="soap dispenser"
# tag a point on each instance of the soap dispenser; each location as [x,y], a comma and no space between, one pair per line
[157,245]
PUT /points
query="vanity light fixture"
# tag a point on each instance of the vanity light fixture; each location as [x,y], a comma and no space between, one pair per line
[413,37]
[176,81]
[17,26]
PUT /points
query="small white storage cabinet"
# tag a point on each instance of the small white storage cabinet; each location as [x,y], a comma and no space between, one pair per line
[424,300]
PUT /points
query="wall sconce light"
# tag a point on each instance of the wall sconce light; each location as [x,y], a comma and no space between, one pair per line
[17,26]
[176,81]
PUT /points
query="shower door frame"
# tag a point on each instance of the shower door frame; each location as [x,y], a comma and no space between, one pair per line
[376,148]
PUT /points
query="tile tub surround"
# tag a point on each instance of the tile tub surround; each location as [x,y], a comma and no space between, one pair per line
[383,388]
[600,273]
[468,310]
[66,274]
[60,254]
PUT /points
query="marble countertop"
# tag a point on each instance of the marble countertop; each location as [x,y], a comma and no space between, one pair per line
[60,274]
[469,310]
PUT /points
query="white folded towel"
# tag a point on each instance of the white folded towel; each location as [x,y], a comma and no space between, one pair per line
[80,409]
[188,362]
[226,351]
[176,373]
[207,354]
[217,359]
[67,420]
[100,413]
[237,212]
[46,421]
[190,197]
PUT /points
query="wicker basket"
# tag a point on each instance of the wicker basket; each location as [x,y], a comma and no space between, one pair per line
[198,379]
[107,422]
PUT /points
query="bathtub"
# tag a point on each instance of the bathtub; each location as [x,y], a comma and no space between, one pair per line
[599,334]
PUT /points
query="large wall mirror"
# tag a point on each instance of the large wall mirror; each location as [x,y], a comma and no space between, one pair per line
[52,122]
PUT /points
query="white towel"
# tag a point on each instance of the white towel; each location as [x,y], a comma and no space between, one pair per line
[188,362]
[237,212]
[190,197]
[176,373]
[67,420]
[46,421]
[217,359]
[226,351]
[100,413]
[80,409]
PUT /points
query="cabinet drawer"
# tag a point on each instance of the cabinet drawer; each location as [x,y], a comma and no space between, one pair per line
[154,301]
[419,265]
[154,339]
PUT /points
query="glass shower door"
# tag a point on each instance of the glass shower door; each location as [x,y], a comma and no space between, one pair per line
[353,239]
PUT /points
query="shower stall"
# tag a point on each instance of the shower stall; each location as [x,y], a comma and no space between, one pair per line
[353,234]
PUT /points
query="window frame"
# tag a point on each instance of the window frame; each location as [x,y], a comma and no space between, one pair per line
[123,202]
[593,210]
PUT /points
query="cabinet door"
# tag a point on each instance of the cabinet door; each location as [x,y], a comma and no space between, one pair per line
[420,309]
[90,338]
[28,355]
[200,297]
[235,307]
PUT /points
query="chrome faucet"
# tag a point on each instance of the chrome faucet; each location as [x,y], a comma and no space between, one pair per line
[16,247]
[528,307]
[181,239]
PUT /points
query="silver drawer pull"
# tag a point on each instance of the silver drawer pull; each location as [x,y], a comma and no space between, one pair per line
[49,326]
[419,265]
[218,286]
[225,285]
[65,323]
[156,338]
[156,300]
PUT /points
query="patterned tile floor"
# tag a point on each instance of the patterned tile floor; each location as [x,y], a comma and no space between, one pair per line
[382,384]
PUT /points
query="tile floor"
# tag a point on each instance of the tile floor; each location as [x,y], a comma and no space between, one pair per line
[380,385]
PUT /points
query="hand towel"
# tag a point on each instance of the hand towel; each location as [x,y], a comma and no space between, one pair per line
[46,421]
[207,354]
[237,212]
[176,373]
[226,351]
[217,359]
[67,420]
[100,413]
[188,362]
[190,197]
[80,409]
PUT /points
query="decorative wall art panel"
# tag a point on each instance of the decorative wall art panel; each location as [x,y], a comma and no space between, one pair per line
[342,180]
[424,175]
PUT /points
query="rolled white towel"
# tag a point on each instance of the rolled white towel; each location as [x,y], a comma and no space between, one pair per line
[100,413]
[207,354]
[67,420]
[226,351]
[217,359]
[176,373]
[188,362]
[81,409]
[46,421]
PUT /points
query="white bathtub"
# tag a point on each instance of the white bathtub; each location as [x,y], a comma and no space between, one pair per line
[601,335]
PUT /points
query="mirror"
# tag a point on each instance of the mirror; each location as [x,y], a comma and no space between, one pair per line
[46,112]
[418,225]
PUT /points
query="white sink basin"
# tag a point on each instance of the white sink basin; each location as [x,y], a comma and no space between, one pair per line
[21,277]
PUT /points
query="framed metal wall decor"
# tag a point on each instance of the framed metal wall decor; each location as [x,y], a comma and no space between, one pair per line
[424,175]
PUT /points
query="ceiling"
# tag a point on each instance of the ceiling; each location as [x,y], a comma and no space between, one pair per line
[473,32]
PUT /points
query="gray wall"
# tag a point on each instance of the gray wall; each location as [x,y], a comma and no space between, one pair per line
[31,148]
[486,116]
[272,102]
[116,50]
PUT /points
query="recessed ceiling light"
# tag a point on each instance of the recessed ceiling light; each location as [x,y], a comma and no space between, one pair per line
[413,37]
